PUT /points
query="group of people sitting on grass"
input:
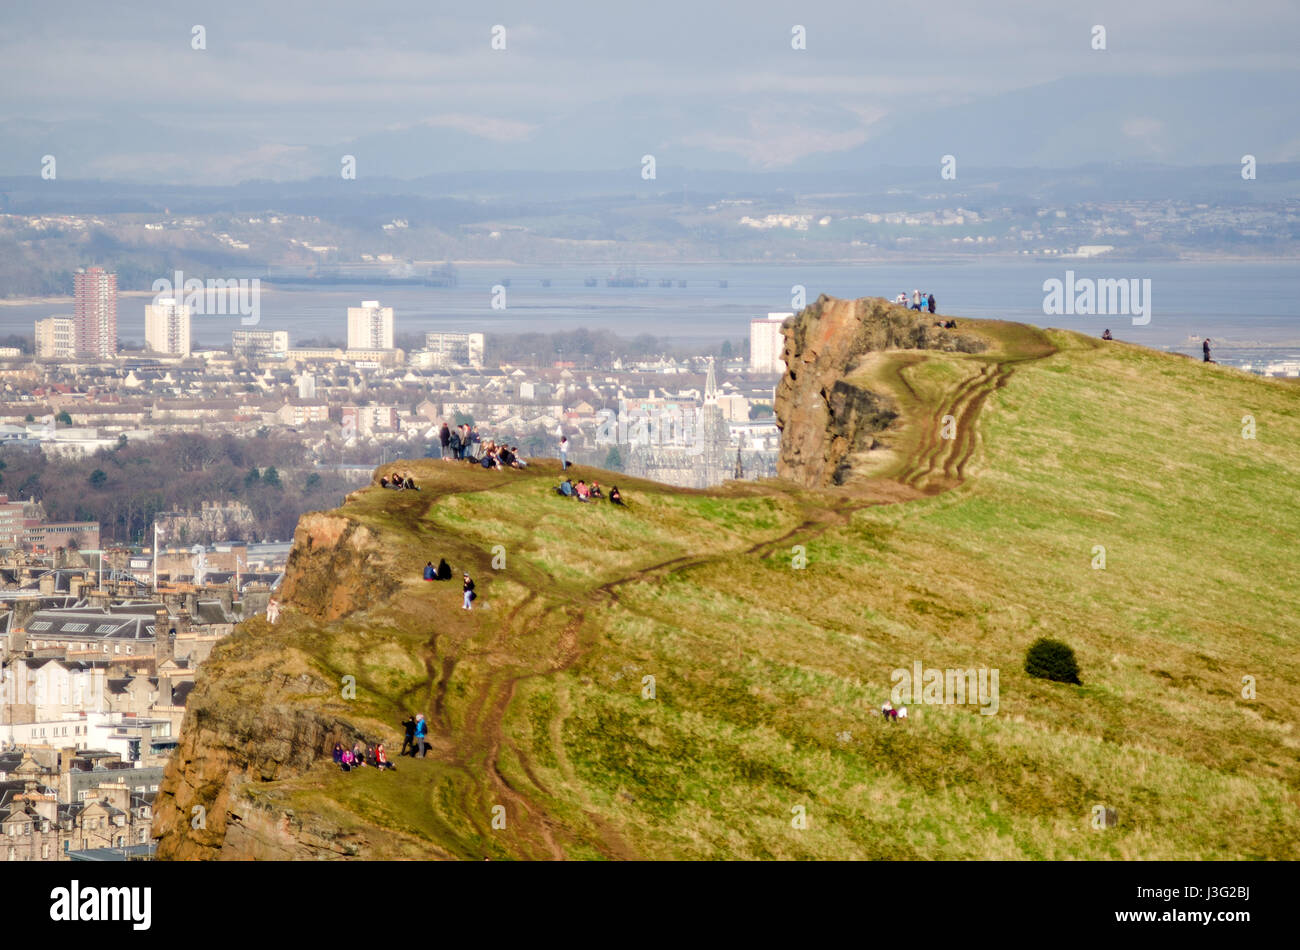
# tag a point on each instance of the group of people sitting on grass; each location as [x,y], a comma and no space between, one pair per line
[501,456]
[399,480]
[584,492]
[463,444]
[361,755]
[891,714]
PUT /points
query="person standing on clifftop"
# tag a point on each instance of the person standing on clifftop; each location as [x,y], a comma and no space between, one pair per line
[564,452]
[421,730]
[408,741]
[1205,348]
[444,439]
[930,302]
[916,300]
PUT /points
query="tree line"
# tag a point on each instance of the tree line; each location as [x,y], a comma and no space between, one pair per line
[126,486]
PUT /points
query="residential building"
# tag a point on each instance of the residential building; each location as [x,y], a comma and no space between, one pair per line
[13,522]
[370,326]
[167,327]
[259,343]
[454,349]
[43,819]
[766,344]
[301,413]
[366,420]
[95,316]
[56,338]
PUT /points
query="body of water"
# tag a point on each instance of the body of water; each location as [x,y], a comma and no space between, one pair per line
[1251,306]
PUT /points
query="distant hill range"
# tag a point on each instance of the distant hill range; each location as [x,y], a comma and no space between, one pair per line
[1207,119]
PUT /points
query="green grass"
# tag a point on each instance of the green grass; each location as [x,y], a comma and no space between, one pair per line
[769,679]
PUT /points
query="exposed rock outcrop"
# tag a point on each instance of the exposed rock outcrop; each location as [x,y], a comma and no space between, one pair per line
[257,715]
[824,418]
[250,728]
[335,567]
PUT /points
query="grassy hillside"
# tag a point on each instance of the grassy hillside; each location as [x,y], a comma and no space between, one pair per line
[769,676]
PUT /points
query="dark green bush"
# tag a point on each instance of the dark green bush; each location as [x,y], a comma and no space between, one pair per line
[1052,660]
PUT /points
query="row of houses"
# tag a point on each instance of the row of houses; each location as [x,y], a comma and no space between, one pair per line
[60,804]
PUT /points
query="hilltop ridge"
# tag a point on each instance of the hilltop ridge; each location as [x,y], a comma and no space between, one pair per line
[677,679]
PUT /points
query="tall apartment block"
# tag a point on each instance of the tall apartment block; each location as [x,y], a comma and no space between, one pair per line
[95,314]
[766,344]
[370,326]
[167,327]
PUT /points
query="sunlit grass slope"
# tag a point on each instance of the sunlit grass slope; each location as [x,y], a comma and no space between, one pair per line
[769,672]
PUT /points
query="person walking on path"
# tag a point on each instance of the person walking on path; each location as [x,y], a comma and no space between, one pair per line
[408,740]
[468,588]
[421,730]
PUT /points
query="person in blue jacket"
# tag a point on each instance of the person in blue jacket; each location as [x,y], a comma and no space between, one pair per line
[421,731]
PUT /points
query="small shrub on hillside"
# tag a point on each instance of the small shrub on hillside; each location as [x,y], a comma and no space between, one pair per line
[1052,660]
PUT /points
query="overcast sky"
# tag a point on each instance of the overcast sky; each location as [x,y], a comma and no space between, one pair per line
[280,79]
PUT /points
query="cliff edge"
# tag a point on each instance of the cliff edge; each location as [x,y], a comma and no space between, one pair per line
[827,419]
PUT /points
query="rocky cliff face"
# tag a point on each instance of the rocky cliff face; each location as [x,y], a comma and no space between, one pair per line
[254,728]
[267,718]
[824,418]
[336,566]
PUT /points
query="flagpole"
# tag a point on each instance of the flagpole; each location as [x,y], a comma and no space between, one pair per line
[155,557]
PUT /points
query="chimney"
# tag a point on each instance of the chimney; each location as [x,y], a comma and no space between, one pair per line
[24,607]
[47,584]
[165,696]
[65,773]
[164,638]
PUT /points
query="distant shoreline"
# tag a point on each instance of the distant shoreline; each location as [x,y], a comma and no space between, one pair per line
[599,268]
